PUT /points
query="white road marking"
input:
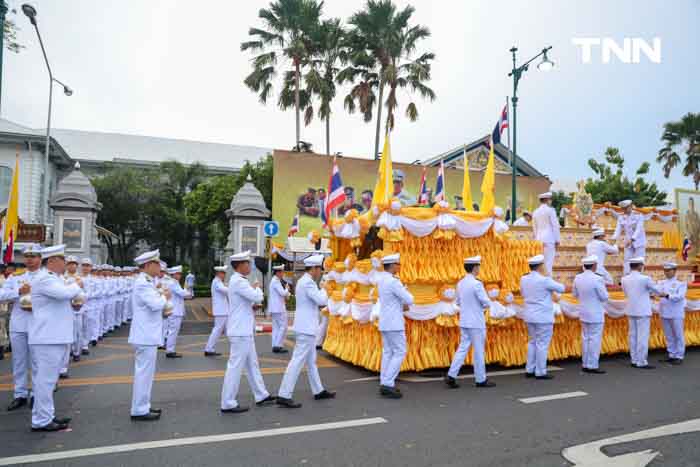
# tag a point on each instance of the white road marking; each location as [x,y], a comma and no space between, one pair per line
[553,397]
[590,454]
[53,456]
[420,379]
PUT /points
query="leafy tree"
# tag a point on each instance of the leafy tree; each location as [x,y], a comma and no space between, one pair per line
[286,34]
[559,199]
[9,31]
[611,184]
[683,133]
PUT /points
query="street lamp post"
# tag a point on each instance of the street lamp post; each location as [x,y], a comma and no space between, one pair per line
[30,12]
[3,13]
[516,73]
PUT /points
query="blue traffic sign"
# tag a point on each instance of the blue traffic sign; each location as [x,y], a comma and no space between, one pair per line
[271,228]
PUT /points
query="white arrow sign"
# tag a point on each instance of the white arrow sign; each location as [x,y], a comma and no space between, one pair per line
[590,454]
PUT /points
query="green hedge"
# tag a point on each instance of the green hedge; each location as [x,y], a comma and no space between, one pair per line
[202,291]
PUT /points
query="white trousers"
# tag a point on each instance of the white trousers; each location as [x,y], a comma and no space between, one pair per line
[393,353]
[93,318]
[675,337]
[322,328]
[539,336]
[21,363]
[46,363]
[475,338]
[632,253]
[101,318]
[66,359]
[304,355]
[165,330]
[279,328]
[144,371]
[108,321]
[550,251]
[174,324]
[77,333]
[591,339]
[639,339]
[242,354]
[85,333]
[216,332]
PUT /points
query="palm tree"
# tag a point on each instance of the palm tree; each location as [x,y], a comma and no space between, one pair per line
[286,34]
[684,132]
[384,45]
[330,51]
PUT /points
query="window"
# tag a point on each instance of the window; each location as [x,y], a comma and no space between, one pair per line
[5,184]
[249,239]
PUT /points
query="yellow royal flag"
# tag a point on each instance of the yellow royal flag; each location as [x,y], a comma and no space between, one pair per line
[488,184]
[12,218]
[384,189]
[467,186]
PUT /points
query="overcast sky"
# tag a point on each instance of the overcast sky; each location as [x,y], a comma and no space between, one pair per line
[174,68]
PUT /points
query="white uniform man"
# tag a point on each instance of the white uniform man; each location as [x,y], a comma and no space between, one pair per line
[146,334]
[590,290]
[89,309]
[599,248]
[175,319]
[631,225]
[537,289]
[472,300]
[278,295]
[308,300]
[189,284]
[219,308]
[524,220]
[545,226]
[394,299]
[240,329]
[13,288]
[638,288]
[672,311]
[70,276]
[50,335]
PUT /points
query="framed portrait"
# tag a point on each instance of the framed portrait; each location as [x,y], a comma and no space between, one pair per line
[688,206]
[72,234]
[249,238]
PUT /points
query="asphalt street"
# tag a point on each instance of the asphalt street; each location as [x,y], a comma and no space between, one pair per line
[431,425]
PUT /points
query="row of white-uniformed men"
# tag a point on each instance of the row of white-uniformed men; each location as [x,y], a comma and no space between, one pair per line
[102,305]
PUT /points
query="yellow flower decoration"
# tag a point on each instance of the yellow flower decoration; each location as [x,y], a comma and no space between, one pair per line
[351,215]
[350,261]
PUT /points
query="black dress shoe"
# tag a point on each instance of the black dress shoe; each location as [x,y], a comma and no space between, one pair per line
[319,347]
[211,354]
[667,360]
[544,377]
[282,350]
[594,371]
[62,420]
[276,349]
[239,409]
[161,347]
[645,367]
[529,375]
[390,393]
[266,401]
[173,355]
[17,403]
[76,358]
[451,382]
[149,417]
[85,352]
[93,343]
[485,384]
[677,361]
[53,426]
[63,376]
[287,403]
[158,411]
[324,395]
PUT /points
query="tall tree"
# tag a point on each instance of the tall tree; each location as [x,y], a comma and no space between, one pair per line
[285,34]
[612,185]
[385,45]
[685,134]
[9,32]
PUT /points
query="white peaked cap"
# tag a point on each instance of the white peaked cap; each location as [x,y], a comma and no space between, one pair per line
[72,259]
[598,232]
[637,260]
[175,270]
[50,251]
[670,265]
[147,257]
[539,259]
[242,256]
[498,211]
[86,261]
[313,260]
[473,260]
[625,203]
[32,249]
[279,267]
[220,268]
[545,195]
[591,259]
[391,259]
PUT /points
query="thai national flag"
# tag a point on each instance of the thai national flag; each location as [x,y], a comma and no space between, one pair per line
[423,190]
[501,125]
[687,245]
[294,228]
[336,190]
[440,186]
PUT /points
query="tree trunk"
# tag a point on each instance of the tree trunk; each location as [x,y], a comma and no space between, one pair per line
[297,103]
[328,134]
[379,118]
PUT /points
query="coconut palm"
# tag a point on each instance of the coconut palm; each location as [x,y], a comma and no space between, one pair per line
[685,132]
[384,46]
[285,35]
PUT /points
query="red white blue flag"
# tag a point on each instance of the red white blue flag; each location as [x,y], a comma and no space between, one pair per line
[440,186]
[423,190]
[501,125]
[336,191]
[687,245]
